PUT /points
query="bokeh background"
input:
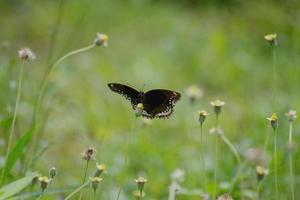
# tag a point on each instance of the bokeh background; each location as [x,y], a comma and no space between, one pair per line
[217,45]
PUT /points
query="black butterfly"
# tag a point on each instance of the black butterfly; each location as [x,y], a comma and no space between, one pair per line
[156,103]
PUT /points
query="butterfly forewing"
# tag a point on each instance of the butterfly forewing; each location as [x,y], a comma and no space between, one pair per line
[160,103]
[129,93]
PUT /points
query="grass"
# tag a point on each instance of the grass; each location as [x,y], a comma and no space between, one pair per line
[219,47]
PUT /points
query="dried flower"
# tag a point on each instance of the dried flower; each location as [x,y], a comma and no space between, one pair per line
[140,182]
[202,116]
[89,154]
[178,175]
[194,92]
[225,196]
[100,168]
[271,38]
[217,105]
[45,181]
[261,172]
[26,54]
[95,182]
[52,172]
[273,120]
[101,39]
[291,115]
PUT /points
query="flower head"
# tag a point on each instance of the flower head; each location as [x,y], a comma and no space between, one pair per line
[100,168]
[53,172]
[225,196]
[271,38]
[202,116]
[95,182]
[139,109]
[26,54]
[194,92]
[44,181]
[89,154]
[261,172]
[101,39]
[291,115]
[178,175]
[273,120]
[217,105]
[140,182]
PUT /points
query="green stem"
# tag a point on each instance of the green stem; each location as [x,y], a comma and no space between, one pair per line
[202,156]
[274,74]
[126,153]
[84,177]
[77,190]
[11,134]
[258,190]
[291,161]
[216,156]
[275,165]
[232,148]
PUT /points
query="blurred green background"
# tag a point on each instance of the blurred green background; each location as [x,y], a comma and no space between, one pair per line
[217,45]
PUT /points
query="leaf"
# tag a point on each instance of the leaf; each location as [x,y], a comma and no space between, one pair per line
[17,186]
[17,152]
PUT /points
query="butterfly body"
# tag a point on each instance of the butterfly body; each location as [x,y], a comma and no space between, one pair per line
[156,103]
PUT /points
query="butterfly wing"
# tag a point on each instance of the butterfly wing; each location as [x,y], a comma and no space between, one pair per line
[160,103]
[129,93]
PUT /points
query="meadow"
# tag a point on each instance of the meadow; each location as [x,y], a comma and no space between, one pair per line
[65,135]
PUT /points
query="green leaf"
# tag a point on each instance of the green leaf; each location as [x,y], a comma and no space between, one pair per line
[17,186]
[17,152]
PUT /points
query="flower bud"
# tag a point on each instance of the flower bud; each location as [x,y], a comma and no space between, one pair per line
[95,182]
[100,168]
[217,105]
[261,172]
[101,39]
[202,116]
[52,172]
[140,182]
[273,120]
[272,39]
[44,182]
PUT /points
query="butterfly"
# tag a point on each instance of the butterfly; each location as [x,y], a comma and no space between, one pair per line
[156,103]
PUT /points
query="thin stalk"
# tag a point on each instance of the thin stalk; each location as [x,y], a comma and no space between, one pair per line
[232,148]
[126,153]
[216,156]
[275,165]
[202,156]
[258,186]
[274,74]
[84,177]
[12,130]
[292,183]
[77,190]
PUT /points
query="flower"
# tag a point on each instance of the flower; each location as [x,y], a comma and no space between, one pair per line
[261,172]
[202,116]
[26,54]
[291,115]
[139,109]
[45,181]
[95,182]
[217,105]
[140,182]
[101,40]
[89,154]
[52,172]
[271,38]
[100,168]
[273,120]
[225,196]
[194,92]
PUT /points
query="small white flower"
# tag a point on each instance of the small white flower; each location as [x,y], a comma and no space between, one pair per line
[26,54]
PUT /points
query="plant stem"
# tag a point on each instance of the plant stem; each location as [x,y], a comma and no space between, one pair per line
[127,152]
[84,177]
[202,156]
[77,190]
[258,190]
[274,75]
[11,134]
[216,157]
[291,160]
[275,165]
[232,148]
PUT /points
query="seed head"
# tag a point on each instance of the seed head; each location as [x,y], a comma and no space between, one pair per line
[52,172]
[101,40]
[26,54]
[272,39]
[261,172]
[273,120]
[217,105]
[89,154]
[291,115]
[225,196]
[44,182]
[202,116]
[95,182]
[100,168]
[194,92]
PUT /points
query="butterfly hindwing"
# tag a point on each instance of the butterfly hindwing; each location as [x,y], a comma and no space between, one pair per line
[160,103]
[129,93]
